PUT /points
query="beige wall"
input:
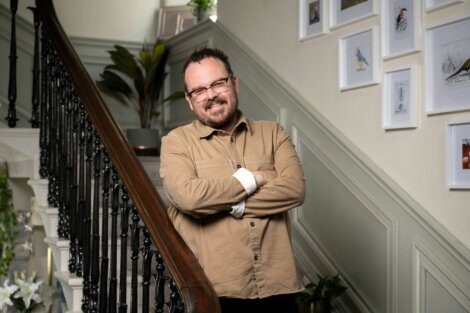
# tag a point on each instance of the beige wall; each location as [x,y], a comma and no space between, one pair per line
[123,20]
[415,159]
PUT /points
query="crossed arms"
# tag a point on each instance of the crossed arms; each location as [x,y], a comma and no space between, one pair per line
[275,190]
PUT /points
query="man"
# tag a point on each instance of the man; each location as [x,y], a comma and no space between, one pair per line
[231,181]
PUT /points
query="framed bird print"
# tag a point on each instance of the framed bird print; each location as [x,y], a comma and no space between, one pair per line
[447,67]
[312,21]
[399,99]
[358,59]
[432,5]
[401,22]
[343,12]
[458,155]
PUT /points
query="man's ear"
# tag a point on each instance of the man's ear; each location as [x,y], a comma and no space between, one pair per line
[235,83]
[189,101]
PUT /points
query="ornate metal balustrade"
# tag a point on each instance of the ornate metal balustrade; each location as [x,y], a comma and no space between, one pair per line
[105,199]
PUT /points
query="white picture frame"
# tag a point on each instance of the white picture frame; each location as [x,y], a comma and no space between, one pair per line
[312,19]
[401,28]
[458,155]
[359,59]
[446,51]
[344,12]
[400,98]
[433,5]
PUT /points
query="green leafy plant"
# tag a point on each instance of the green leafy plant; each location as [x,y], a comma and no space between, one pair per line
[322,292]
[7,222]
[147,72]
[201,6]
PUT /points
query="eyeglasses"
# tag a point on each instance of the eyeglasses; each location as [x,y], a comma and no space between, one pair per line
[219,86]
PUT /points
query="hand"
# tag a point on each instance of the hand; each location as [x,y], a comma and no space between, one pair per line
[263,177]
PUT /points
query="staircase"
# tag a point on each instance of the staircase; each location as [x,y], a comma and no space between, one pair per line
[104,219]
[20,148]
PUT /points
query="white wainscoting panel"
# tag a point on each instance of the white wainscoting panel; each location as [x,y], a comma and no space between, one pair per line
[355,220]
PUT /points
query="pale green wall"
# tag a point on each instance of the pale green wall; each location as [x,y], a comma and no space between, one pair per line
[415,159]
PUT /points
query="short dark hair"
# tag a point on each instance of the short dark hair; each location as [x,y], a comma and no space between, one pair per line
[202,53]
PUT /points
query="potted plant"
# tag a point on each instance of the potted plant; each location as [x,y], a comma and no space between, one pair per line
[201,8]
[318,296]
[147,72]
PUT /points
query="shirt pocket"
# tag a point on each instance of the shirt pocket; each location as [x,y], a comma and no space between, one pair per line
[214,168]
[259,162]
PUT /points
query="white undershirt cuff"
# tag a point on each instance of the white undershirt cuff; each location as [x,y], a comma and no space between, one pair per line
[238,209]
[247,179]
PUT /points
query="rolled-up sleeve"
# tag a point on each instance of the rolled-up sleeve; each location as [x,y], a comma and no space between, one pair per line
[287,190]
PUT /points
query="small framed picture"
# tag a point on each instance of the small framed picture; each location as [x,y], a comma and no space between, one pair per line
[432,5]
[343,12]
[447,67]
[399,99]
[312,19]
[173,20]
[458,155]
[401,22]
[358,59]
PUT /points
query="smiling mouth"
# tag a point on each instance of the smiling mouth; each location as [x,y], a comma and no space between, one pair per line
[214,103]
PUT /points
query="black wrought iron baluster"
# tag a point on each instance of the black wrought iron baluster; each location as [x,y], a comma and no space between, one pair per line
[175,305]
[43,137]
[72,169]
[34,121]
[61,175]
[66,98]
[65,152]
[123,260]
[81,189]
[147,256]
[52,127]
[87,219]
[160,284]
[95,245]
[114,213]
[11,117]
[104,235]
[135,239]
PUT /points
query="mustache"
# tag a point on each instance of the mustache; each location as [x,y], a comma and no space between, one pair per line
[216,100]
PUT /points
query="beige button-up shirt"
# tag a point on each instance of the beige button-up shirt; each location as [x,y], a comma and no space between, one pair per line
[249,257]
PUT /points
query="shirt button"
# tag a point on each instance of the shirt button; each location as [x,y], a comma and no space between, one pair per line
[252,224]
[239,166]
[256,257]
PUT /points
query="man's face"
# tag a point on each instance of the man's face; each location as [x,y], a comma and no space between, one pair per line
[218,110]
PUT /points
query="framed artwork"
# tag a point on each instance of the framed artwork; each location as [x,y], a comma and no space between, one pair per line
[458,155]
[173,20]
[343,12]
[358,59]
[447,67]
[432,5]
[312,21]
[400,99]
[401,22]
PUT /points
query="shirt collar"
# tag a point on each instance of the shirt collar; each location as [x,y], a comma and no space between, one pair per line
[205,131]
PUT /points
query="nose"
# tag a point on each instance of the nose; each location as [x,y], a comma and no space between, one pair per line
[211,94]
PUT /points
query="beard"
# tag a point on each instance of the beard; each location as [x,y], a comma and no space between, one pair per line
[228,115]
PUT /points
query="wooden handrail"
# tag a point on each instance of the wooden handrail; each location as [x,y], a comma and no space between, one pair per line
[196,291]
